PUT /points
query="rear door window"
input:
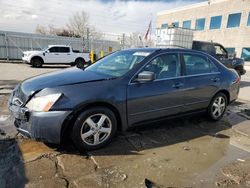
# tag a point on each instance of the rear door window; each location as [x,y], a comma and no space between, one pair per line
[63,49]
[196,64]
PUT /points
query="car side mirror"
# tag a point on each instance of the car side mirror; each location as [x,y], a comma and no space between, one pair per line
[47,51]
[145,76]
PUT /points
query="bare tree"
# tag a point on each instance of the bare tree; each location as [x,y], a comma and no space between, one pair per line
[41,29]
[76,27]
[79,23]
[52,30]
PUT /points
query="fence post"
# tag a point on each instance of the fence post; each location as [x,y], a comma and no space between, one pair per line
[123,41]
[31,44]
[87,42]
[6,46]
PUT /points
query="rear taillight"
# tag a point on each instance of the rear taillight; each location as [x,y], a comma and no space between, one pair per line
[237,80]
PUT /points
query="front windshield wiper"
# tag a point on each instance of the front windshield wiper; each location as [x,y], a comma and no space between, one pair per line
[111,78]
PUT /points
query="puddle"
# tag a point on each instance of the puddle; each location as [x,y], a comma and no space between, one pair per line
[31,150]
[171,165]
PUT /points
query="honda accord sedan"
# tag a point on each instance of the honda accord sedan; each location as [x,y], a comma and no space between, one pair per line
[120,91]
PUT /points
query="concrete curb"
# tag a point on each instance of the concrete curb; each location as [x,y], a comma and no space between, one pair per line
[11,62]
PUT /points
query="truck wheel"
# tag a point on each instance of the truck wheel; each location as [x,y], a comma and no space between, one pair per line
[94,128]
[37,62]
[80,63]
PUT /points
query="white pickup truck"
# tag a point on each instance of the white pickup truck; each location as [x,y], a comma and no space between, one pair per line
[56,54]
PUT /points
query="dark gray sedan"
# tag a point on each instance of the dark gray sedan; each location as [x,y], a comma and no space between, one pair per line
[124,89]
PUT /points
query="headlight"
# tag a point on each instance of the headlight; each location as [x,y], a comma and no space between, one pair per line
[43,103]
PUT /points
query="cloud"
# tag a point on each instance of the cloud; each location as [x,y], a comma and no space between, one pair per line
[26,12]
[34,17]
[113,16]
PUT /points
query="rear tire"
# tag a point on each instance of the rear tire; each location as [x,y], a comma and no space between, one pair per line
[217,107]
[37,62]
[94,128]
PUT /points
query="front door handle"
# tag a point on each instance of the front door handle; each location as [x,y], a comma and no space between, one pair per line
[215,79]
[177,85]
[56,54]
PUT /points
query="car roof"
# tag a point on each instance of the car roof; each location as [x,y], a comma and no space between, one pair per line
[171,49]
[58,46]
[206,42]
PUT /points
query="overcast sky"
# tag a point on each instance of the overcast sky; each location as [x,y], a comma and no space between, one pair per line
[111,16]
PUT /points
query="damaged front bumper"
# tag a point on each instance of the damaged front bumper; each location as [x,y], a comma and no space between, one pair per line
[43,126]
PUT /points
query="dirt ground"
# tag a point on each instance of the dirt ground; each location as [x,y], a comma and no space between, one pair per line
[185,152]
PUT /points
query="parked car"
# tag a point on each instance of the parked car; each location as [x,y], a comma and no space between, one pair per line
[219,52]
[55,54]
[121,90]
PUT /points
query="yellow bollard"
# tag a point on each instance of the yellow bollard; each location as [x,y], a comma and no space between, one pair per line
[102,53]
[92,56]
[110,49]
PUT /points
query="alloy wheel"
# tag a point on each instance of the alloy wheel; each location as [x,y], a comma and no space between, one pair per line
[218,107]
[96,129]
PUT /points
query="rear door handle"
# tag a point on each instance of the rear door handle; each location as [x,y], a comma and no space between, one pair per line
[215,79]
[56,54]
[177,85]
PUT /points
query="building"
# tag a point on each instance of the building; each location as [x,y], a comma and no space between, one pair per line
[223,21]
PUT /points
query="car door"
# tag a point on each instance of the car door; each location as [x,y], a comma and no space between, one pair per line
[202,80]
[158,98]
[51,55]
[64,55]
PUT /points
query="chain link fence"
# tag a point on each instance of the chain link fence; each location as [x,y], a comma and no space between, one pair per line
[13,44]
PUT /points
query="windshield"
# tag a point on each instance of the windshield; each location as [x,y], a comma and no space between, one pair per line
[118,63]
[44,48]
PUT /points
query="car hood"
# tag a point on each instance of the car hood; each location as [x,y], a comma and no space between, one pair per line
[31,52]
[60,78]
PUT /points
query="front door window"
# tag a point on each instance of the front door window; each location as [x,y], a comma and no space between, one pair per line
[164,66]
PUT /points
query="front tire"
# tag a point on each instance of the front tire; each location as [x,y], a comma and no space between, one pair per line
[94,128]
[217,107]
[37,62]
